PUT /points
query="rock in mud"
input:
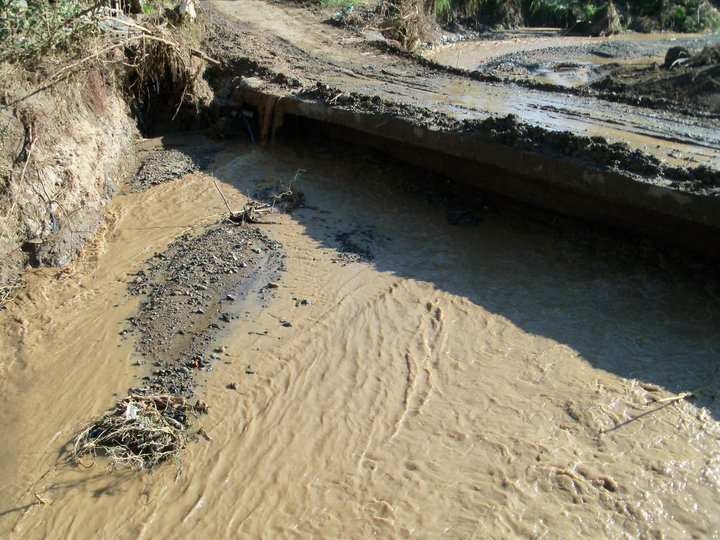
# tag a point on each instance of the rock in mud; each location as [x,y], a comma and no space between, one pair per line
[60,247]
[674,54]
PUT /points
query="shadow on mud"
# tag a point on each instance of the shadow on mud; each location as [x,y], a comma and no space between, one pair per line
[624,304]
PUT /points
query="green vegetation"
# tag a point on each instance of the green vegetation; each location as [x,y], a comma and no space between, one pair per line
[584,16]
[33,29]
[339,4]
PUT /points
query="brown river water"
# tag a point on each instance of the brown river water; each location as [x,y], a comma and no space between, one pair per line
[492,380]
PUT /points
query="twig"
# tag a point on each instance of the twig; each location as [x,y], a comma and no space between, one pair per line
[84,12]
[673,399]
[666,402]
[205,57]
[180,102]
[52,79]
[22,176]
[128,23]
[223,198]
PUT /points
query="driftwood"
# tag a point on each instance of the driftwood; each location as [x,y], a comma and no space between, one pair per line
[251,212]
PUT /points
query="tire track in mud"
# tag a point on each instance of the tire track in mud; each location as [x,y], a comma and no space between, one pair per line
[376,79]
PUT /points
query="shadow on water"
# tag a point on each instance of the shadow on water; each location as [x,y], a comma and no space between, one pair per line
[624,305]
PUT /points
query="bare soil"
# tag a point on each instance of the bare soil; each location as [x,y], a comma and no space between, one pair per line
[690,82]
[294,51]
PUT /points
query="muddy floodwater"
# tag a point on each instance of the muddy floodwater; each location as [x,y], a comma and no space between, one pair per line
[494,376]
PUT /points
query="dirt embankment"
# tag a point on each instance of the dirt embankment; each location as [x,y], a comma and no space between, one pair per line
[63,153]
[68,125]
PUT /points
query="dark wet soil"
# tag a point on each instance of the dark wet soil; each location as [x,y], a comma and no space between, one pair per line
[288,70]
[689,83]
[160,167]
[511,131]
[596,151]
[193,292]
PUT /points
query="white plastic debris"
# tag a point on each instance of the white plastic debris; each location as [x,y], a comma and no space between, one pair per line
[131,412]
[187,10]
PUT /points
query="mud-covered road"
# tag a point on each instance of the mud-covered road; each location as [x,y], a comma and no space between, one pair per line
[294,50]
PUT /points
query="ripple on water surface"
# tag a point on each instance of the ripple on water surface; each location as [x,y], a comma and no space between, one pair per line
[500,377]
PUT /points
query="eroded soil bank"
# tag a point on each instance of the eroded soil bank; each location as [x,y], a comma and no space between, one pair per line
[63,153]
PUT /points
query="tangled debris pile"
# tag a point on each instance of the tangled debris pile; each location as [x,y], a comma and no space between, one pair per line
[142,431]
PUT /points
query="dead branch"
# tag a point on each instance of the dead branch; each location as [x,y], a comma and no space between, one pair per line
[180,101]
[223,197]
[205,57]
[252,212]
[129,24]
[666,402]
[673,399]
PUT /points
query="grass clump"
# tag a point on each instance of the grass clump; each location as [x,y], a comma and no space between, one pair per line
[339,4]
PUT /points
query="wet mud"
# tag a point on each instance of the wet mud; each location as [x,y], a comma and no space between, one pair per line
[625,68]
[522,374]
[391,357]
[368,76]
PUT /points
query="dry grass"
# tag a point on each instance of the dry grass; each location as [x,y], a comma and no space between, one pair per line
[7,290]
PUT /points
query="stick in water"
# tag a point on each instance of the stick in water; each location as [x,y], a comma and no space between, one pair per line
[223,197]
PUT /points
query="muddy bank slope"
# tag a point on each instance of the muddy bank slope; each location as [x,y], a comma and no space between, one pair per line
[63,153]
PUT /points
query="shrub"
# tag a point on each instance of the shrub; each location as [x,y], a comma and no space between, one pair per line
[30,30]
